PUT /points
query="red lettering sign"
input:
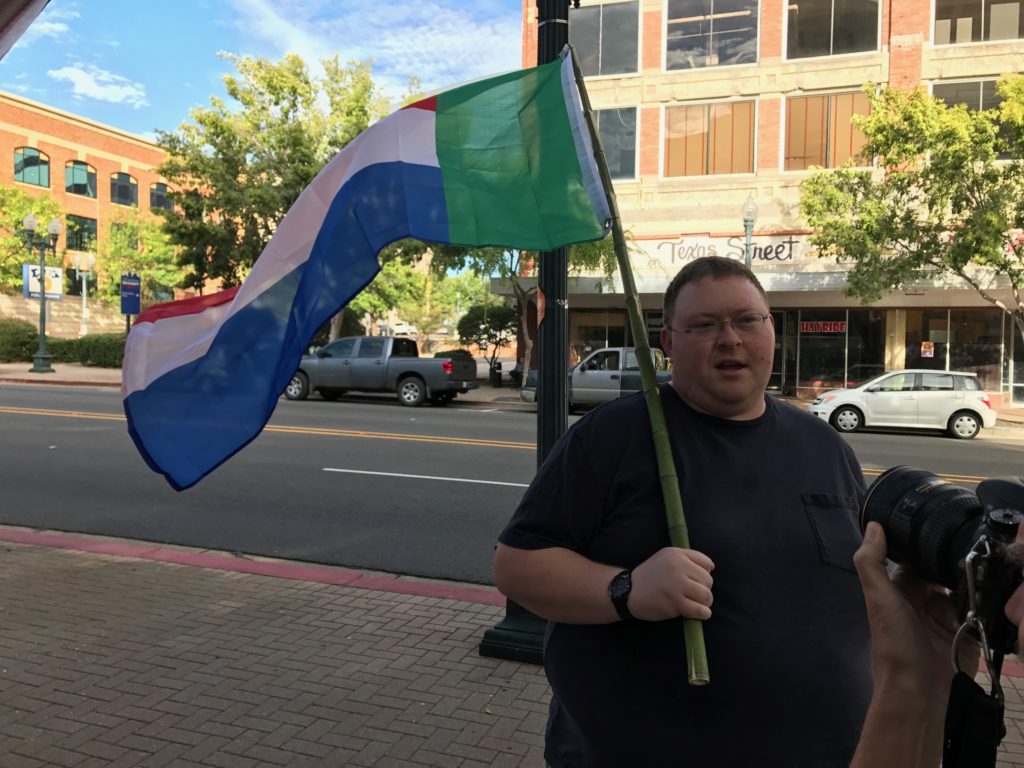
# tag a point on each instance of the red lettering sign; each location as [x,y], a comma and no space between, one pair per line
[823,326]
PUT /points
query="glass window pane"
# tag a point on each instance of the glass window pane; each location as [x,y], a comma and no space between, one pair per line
[957,21]
[805,132]
[617,129]
[958,93]
[976,344]
[124,190]
[846,140]
[822,349]
[689,34]
[855,26]
[371,347]
[619,30]
[584,34]
[732,138]
[1002,21]
[810,29]
[686,141]
[734,32]
[81,234]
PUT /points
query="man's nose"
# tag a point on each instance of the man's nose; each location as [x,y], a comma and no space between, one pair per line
[727,335]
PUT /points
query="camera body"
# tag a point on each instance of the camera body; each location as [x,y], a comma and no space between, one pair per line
[956,538]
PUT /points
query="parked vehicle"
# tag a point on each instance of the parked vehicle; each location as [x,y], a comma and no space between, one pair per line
[603,375]
[382,364]
[920,399]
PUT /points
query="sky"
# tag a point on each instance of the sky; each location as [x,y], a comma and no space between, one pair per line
[140,66]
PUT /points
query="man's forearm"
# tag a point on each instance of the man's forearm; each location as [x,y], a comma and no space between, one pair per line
[556,584]
[901,729]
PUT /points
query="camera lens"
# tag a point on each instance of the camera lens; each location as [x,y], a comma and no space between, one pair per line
[929,524]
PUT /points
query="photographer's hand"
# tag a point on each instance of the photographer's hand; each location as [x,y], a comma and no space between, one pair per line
[912,627]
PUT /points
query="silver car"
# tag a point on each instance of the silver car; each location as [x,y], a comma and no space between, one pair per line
[920,399]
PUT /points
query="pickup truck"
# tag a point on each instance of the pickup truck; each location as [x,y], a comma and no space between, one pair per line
[381,364]
[603,375]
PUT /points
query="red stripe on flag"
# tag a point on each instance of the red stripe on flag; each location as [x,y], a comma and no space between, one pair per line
[191,306]
[429,104]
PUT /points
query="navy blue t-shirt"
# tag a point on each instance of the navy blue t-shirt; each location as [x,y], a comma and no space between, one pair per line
[773,502]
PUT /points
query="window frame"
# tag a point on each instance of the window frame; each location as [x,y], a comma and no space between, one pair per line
[89,170]
[784,129]
[664,47]
[662,145]
[133,183]
[639,37]
[40,156]
[169,206]
[785,37]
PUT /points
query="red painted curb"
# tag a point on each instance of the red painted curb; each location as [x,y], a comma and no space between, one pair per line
[281,569]
[7,380]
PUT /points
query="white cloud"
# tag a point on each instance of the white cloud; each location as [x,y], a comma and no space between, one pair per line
[89,81]
[441,42]
[51,23]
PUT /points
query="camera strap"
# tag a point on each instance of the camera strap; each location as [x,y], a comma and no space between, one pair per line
[974,724]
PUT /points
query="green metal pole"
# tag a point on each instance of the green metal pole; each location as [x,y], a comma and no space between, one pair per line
[41,359]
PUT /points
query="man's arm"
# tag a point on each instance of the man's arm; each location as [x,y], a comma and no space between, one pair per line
[561,585]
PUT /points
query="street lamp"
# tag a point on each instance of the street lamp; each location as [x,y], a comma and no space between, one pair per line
[749,212]
[84,262]
[43,243]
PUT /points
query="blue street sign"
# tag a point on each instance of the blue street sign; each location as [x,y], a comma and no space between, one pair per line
[131,294]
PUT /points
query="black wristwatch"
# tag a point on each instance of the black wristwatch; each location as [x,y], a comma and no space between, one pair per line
[618,591]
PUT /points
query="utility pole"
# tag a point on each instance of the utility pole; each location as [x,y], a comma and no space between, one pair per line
[520,635]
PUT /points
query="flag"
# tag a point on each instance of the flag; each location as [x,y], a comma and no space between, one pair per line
[506,161]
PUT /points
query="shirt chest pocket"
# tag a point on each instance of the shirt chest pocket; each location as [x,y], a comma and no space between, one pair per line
[832,518]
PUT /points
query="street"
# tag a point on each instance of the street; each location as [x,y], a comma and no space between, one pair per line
[359,483]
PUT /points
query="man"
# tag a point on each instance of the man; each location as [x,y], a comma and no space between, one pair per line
[770,496]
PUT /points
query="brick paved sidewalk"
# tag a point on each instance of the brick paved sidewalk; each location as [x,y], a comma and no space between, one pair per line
[110,661]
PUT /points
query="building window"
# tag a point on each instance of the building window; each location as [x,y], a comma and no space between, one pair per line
[831,27]
[606,37]
[975,95]
[973,21]
[820,130]
[158,197]
[709,139]
[81,233]
[617,129]
[79,179]
[124,190]
[31,167]
[709,33]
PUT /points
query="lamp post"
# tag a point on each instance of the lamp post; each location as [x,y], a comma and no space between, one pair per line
[749,212]
[43,243]
[84,263]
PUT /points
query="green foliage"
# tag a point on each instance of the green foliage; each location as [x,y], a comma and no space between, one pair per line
[397,285]
[238,166]
[455,354]
[18,340]
[946,199]
[104,350]
[15,204]
[350,326]
[489,327]
[137,244]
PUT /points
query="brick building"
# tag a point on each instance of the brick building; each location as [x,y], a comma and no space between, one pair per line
[703,105]
[94,172]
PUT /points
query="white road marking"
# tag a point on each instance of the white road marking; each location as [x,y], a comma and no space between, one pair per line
[424,477]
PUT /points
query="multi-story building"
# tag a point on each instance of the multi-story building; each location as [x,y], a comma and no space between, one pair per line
[707,106]
[94,172]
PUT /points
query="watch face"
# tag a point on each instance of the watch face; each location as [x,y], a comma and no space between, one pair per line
[620,586]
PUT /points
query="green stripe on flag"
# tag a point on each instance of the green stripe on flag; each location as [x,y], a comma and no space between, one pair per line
[509,164]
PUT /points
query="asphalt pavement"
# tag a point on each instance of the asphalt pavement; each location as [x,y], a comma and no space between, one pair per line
[124,653]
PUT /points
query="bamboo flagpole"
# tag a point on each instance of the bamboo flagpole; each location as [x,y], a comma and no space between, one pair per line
[693,630]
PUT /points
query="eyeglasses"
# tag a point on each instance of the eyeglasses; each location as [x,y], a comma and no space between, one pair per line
[744,325]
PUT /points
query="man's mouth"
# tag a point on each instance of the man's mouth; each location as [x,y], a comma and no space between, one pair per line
[730,365]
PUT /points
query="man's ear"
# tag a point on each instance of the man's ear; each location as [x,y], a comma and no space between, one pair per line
[666,340]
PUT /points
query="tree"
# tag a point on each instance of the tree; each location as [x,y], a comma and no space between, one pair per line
[946,199]
[138,244]
[514,266]
[396,285]
[236,169]
[490,327]
[15,204]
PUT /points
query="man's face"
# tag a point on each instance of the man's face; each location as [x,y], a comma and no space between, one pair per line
[725,372]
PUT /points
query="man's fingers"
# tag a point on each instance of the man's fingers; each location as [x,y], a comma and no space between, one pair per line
[869,559]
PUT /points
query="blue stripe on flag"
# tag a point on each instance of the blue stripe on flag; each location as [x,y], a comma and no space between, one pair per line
[194,418]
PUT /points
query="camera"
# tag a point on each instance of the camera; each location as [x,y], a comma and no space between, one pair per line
[956,538]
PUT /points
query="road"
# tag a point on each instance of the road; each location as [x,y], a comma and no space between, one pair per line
[364,484]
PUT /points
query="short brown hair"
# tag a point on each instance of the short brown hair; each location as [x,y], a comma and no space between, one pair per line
[715,267]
